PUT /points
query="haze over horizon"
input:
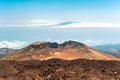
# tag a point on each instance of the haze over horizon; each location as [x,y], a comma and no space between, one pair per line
[93,22]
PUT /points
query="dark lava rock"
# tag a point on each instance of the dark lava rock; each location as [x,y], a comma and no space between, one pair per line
[43,45]
[72,44]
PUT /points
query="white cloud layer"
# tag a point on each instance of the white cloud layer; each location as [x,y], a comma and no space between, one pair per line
[13,44]
[93,42]
[89,42]
[44,22]
[35,23]
[61,24]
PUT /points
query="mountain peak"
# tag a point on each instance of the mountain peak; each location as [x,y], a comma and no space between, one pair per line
[42,45]
[72,44]
[39,43]
[68,50]
[68,44]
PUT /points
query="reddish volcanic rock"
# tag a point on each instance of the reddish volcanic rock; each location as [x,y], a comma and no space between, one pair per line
[57,69]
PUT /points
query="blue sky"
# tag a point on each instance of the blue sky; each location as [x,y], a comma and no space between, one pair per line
[69,10]
[93,22]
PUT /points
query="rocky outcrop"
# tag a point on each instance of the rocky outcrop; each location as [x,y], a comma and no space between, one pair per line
[72,44]
[42,45]
[66,44]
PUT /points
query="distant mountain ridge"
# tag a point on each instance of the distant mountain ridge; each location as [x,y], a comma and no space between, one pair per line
[5,52]
[68,50]
[113,49]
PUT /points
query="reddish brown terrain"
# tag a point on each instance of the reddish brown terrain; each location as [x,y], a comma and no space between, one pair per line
[68,50]
[57,69]
[52,61]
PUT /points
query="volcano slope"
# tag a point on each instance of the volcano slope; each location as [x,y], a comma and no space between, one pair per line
[52,61]
[58,69]
[68,50]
